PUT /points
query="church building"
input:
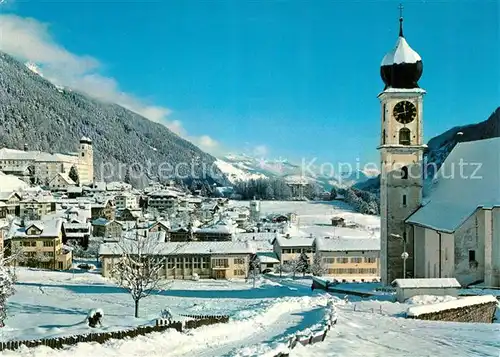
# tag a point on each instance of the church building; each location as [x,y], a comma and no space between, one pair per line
[453,228]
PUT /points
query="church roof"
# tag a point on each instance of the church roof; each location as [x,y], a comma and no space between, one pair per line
[402,53]
[468,179]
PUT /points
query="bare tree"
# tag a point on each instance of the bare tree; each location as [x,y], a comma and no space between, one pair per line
[138,269]
[8,257]
[254,269]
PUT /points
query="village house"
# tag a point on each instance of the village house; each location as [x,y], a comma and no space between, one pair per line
[268,261]
[104,209]
[126,200]
[37,207]
[61,182]
[289,249]
[180,234]
[130,215]
[39,244]
[163,200]
[77,231]
[218,260]
[11,202]
[346,258]
[101,227]
[159,226]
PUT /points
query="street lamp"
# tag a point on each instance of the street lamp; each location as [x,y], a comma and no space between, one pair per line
[405,254]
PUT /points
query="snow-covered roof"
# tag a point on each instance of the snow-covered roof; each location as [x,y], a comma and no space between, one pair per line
[268,257]
[179,248]
[9,183]
[294,242]
[50,228]
[257,236]
[415,311]
[65,177]
[471,169]
[164,193]
[426,283]
[336,244]
[402,53]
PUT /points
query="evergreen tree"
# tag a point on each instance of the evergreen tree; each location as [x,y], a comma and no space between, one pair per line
[317,267]
[333,193]
[304,265]
[127,179]
[73,174]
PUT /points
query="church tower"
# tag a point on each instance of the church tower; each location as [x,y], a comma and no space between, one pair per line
[401,153]
[86,161]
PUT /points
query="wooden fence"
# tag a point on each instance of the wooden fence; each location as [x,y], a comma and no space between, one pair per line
[101,337]
[309,340]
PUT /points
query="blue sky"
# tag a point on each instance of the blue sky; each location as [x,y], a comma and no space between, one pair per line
[290,78]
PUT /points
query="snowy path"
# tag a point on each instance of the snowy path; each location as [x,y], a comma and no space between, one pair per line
[278,322]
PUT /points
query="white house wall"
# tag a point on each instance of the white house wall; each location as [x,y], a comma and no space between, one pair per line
[467,238]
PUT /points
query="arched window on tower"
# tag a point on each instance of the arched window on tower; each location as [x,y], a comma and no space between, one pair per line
[383,137]
[404,136]
[404,172]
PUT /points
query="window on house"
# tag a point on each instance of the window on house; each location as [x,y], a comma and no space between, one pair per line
[221,263]
[239,261]
[404,173]
[370,260]
[356,260]
[239,272]
[472,255]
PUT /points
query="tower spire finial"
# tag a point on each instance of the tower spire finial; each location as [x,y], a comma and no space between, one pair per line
[401,20]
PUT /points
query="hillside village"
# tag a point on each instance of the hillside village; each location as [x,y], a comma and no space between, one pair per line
[247,265]
[196,235]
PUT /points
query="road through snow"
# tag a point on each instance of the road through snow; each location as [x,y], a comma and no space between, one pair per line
[279,322]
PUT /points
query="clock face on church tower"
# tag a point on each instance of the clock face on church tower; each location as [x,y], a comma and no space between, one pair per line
[405,112]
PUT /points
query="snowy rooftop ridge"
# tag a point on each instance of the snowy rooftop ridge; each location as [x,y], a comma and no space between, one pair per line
[402,53]
[338,244]
[426,283]
[472,168]
[416,311]
[168,248]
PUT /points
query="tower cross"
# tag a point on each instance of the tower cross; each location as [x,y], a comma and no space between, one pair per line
[401,20]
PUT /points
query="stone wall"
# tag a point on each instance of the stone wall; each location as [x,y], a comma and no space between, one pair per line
[482,313]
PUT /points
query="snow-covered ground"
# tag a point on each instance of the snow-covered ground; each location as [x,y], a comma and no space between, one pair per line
[48,304]
[315,218]
[366,334]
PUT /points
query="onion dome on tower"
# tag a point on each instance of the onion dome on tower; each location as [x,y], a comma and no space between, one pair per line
[402,67]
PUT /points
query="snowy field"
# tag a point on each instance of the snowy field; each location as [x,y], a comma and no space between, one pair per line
[315,217]
[262,319]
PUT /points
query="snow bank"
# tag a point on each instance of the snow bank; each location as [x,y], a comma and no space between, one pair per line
[285,344]
[415,311]
[429,299]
